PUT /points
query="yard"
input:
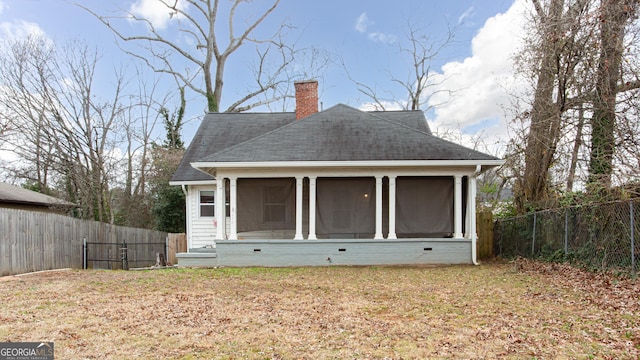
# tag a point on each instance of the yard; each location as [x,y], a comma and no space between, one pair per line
[496,310]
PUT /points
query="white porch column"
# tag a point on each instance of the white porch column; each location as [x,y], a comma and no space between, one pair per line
[378,234]
[392,208]
[457,207]
[471,207]
[471,213]
[467,219]
[312,208]
[221,217]
[233,204]
[298,235]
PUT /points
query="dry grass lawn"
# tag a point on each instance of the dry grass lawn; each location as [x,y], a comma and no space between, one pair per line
[495,310]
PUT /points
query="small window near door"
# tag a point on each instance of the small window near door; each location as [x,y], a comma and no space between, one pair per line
[207,203]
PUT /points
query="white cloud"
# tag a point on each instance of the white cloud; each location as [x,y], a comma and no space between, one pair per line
[382,37]
[156,12]
[388,106]
[2,6]
[19,29]
[362,23]
[468,14]
[485,81]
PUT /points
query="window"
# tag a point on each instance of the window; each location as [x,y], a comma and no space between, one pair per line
[266,204]
[275,204]
[207,203]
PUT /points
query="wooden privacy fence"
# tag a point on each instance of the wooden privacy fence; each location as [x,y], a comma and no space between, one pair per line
[176,243]
[35,241]
[484,247]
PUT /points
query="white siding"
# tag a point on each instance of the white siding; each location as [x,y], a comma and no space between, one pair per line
[201,231]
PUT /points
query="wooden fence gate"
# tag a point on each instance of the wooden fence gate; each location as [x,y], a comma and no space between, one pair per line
[484,247]
[176,243]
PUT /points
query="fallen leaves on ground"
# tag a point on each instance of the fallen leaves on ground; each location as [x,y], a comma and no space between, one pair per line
[496,310]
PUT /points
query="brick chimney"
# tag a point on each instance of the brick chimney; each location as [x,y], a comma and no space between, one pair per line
[306,98]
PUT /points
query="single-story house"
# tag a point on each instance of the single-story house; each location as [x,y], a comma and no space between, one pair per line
[337,186]
[15,197]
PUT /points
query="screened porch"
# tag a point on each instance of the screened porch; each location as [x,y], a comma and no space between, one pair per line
[298,208]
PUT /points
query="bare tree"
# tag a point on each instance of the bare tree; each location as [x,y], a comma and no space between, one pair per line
[581,56]
[143,114]
[25,75]
[89,127]
[4,128]
[558,45]
[169,201]
[69,137]
[614,18]
[420,83]
[208,45]
[575,150]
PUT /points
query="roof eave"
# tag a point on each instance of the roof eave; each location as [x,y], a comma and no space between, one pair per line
[40,203]
[485,164]
[192,182]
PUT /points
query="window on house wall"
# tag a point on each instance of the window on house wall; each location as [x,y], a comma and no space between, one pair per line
[207,203]
[266,204]
[275,204]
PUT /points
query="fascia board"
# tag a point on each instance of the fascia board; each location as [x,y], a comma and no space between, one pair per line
[198,182]
[343,164]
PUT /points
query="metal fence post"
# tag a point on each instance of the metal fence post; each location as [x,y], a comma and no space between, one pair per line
[633,232]
[84,253]
[124,255]
[533,241]
[501,234]
[566,231]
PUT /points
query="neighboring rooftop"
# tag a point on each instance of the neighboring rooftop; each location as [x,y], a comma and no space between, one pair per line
[16,195]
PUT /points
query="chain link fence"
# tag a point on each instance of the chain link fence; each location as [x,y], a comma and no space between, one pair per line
[599,237]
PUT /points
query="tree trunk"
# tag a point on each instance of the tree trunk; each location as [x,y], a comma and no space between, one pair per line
[544,130]
[213,103]
[576,150]
[219,81]
[614,15]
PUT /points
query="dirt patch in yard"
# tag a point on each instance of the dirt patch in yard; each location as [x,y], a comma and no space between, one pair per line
[528,310]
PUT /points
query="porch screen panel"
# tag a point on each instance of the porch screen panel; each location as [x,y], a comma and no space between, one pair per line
[266,204]
[424,206]
[346,208]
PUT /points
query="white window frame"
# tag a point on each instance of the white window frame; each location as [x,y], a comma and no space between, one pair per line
[266,204]
[201,204]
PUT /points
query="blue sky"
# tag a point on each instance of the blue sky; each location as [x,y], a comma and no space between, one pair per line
[365,34]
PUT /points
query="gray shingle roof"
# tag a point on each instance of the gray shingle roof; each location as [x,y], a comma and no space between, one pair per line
[223,130]
[340,133]
[411,118]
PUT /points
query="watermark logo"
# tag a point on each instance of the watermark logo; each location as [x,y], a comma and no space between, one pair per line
[26,351]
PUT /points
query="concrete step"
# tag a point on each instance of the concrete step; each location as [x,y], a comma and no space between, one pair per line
[197,259]
[203,250]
